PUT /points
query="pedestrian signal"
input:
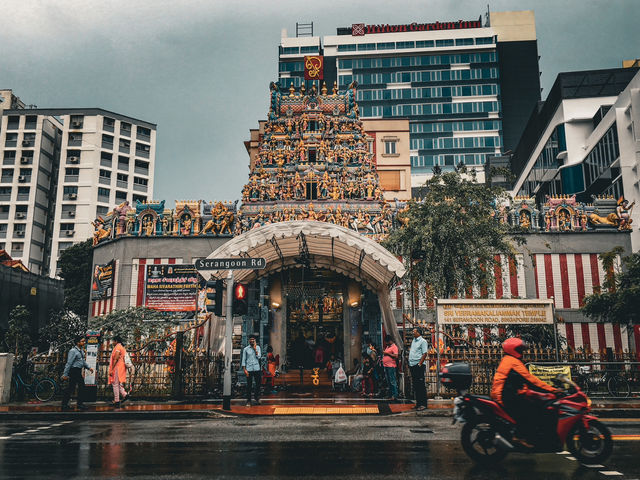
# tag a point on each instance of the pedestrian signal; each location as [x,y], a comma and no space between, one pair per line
[215,292]
[240,299]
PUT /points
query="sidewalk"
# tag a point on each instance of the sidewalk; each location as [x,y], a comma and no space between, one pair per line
[629,407]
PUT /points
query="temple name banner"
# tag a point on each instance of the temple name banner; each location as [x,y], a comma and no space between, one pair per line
[102,283]
[171,288]
[494,312]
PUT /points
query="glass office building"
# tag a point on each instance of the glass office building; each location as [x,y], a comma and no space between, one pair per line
[467,87]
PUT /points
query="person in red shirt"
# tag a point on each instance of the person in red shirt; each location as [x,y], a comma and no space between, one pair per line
[390,364]
[510,383]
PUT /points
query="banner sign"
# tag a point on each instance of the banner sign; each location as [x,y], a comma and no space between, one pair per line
[495,312]
[93,342]
[171,288]
[546,373]
[314,67]
[102,283]
[361,29]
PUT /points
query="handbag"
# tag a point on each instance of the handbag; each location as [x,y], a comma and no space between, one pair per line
[341,376]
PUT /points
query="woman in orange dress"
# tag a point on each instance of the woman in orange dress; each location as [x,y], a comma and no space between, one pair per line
[118,372]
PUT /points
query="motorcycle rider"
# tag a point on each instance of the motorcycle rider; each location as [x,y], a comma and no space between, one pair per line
[510,383]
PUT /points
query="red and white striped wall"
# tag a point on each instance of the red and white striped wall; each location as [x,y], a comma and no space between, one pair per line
[103,307]
[568,277]
[138,270]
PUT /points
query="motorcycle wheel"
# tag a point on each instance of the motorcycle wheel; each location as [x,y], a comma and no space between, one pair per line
[477,439]
[592,444]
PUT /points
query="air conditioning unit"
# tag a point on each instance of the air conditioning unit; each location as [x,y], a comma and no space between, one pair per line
[25,159]
[76,123]
[22,178]
[69,233]
[20,233]
[20,215]
[73,159]
[72,213]
[26,143]
[73,196]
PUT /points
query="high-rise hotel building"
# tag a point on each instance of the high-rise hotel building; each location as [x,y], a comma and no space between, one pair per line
[62,168]
[467,87]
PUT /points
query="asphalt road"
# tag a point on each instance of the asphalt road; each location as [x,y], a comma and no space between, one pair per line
[373,447]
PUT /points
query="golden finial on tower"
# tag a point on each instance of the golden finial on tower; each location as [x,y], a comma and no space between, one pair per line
[302,89]
[292,90]
[335,88]
[324,88]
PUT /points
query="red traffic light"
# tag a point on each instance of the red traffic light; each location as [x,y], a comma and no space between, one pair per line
[240,292]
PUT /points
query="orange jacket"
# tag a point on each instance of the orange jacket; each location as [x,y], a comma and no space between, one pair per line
[117,365]
[512,376]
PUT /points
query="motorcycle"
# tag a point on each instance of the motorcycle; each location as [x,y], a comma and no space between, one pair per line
[488,431]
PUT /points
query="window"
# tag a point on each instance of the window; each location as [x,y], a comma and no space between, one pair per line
[386,46]
[139,198]
[11,140]
[366,46]
[107,141]
[445,43]
[125,129]
[71,171]
[101,211]
[122,180]
[389,179]
[464,41]
[31,122]
[390,147]
[142,150]
[108,124]
[290,50]
[9,157]
[123,163]
[69,192]
[424,44]
[5,194]
[77,121]
[346,48]
[67,226]
[103,194]
[309,49]
[405,45]
[7,175]
[143,133]
[13,122]
[484,40]
[141,167]
[3,230]
[23,194]
[105,173]
[125,146]
[75,139]
[312,190]
[16,249]
[140,181]
[120,196]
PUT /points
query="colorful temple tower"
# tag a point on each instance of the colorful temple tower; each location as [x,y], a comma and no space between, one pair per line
[314,163]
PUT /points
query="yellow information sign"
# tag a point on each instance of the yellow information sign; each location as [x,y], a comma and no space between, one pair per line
[547,373]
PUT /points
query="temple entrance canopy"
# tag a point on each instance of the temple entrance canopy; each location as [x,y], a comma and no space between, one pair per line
[304,257]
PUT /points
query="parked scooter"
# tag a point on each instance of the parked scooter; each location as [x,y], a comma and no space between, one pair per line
[488,429]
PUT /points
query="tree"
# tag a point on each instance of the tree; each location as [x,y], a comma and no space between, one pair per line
[619,301]
[133,323]
[18,337]
[75,268]
[452,235]
[61,329]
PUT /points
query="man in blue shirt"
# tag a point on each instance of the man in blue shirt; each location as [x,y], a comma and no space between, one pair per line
[417,355]
[73,372]
[251,366]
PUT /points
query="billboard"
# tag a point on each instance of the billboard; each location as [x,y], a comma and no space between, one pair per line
[494,312]
[172,288]
[102,282]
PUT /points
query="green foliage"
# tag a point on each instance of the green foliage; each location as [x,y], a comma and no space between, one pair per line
[534,335]
[133,323]
[18,337]
[453,234]
[75,269]
[620,301]
[63,326]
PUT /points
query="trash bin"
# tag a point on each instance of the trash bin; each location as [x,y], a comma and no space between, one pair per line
[6,369]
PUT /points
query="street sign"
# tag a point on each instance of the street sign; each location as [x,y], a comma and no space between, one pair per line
[231,264]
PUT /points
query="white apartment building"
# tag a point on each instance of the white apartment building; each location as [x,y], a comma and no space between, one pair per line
[62,168]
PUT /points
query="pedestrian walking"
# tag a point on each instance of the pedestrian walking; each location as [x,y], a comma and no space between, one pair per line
[251,365]
[417,355]
[118,372]
[390,365]
[73,372]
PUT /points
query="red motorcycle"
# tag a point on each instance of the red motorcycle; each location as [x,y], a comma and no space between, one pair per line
[488,429]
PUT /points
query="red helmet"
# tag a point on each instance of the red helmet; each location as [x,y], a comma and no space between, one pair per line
[514,347]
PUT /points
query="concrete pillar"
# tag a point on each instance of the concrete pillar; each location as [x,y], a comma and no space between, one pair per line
[6,369]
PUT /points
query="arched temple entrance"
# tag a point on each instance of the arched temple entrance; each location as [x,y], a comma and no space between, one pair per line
[323,285]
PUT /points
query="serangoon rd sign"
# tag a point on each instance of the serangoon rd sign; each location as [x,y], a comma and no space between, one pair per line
[231,264]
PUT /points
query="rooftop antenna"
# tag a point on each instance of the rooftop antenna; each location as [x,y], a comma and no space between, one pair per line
[304,29]
[487,22]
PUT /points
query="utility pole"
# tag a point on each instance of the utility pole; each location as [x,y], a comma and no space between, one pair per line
[228,345]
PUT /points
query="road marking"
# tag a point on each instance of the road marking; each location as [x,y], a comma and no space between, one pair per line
[593,466]
[56,425]
[67,421]
[31,431]
[626,437]
[45,427]
[571,458]
[19,433]
[4,438]
[562,453]
[610,472]
[630,420]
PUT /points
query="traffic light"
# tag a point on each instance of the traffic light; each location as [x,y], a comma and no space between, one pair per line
[240,299]
[215,294]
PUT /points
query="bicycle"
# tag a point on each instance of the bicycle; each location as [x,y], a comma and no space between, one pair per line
[589,381]
[42,389]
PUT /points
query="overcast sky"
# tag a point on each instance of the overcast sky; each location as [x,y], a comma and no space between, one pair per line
[200,70]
